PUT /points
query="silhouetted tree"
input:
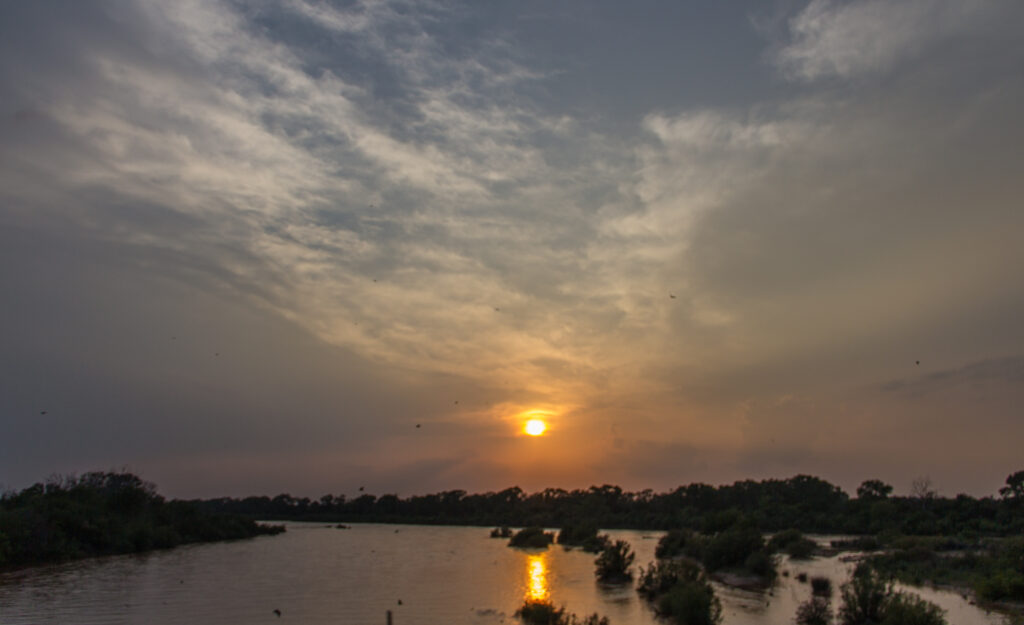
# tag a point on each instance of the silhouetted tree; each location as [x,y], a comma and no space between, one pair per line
[873,490]
[1014,488]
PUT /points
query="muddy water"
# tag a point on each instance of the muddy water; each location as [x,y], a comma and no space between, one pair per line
[316,574]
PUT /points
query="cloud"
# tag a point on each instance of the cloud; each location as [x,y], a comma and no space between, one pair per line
[398,184]
[831,39]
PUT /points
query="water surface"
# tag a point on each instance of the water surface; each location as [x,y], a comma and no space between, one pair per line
[316,574]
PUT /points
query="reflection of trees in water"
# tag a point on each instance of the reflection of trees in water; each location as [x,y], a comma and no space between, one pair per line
[537,577]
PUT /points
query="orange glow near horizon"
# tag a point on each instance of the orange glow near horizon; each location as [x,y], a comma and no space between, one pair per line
[535,427]
[537,577]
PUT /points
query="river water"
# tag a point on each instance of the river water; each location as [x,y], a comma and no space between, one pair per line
[317,574]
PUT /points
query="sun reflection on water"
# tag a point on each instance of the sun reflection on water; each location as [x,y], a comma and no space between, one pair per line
[537,577]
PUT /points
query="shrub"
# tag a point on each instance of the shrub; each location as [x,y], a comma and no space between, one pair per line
[614,562]
[576,534]
[782,539]
[596,544]
[544,613]
[861,543]
[794,543]
[761,563]
[498,532]
[731,548]
[869,599]
[661,576]
[691,603]
[821,586]
[540,613]
[674,543]
[907,609]
[531,538]
[801,549]
[1006,584]
[864,598]
[583,535]
[814,611]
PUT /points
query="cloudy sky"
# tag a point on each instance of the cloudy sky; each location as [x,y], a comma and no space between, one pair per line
[248,247]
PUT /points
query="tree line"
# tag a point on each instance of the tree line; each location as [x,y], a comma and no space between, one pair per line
[106,513]
[802,502]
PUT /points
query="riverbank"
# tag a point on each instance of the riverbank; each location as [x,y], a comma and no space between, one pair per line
[101,514]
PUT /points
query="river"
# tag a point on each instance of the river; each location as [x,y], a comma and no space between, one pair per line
[425,575]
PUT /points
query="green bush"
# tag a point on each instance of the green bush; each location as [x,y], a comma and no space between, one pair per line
[576,533]
[691,603]
[662,575]
[782,539]
[907,609]
[814,611]
[544,613]
[821,586]
[674,543]
[731,548]
[613,565]
[531,538]
[596,544]
[1004,584]
[761,563]
[867,599]
[801,549]
[864,597]
[583,535]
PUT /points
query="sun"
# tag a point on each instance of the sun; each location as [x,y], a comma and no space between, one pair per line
[535,427]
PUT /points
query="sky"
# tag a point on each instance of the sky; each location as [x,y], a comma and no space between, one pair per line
[304,247]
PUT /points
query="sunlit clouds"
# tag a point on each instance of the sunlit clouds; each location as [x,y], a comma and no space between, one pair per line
[403,227]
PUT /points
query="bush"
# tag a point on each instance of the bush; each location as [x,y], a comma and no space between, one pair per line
[691,603]
[596,544]
[731,548]
[661,576]
[680,591]
[540,613]
[544,613]
[1003,584]
[583,535]
[782,539]
[761,563]
[801,549]
[674,543]
[907,609]
[531,538]
[814,611]
[498,532]
[576,534]
[861,543]
[869,599]
[821,586]
[794,543]
[614,562]
[864,598]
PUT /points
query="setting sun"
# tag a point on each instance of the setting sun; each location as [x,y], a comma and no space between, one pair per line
[535,427]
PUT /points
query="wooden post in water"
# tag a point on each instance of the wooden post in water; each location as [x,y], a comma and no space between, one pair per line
[389,617]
